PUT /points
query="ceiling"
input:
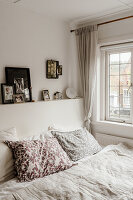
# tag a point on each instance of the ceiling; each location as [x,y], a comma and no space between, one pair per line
[74,10]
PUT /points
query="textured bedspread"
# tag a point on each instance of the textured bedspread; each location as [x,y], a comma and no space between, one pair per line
[104,176]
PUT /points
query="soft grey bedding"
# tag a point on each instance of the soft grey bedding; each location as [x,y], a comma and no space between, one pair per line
[104,176]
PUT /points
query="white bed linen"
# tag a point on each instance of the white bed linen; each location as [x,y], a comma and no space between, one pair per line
[13,185]
[107,175]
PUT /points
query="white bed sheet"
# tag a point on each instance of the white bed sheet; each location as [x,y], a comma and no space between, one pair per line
[107,175]
[13,185]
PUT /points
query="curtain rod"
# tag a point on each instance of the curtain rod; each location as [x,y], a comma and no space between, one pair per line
[108,22]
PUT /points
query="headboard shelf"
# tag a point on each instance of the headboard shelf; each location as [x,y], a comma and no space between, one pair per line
[49,101]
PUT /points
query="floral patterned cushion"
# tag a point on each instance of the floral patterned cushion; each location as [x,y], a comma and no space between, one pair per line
[77,144]
[37,158]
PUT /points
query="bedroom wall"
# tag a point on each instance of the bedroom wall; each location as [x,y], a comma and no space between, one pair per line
[33,118]
[28,39]
[109,33]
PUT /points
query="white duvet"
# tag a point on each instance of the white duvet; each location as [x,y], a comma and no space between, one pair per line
[104,176]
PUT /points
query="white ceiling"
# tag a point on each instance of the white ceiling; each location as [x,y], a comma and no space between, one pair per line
[74,10]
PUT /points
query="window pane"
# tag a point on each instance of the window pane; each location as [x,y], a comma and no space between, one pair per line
[125,57]
[125,92]
[114,81]
[119,85]
[124,113]
[114,58]
[125,80]
[114,112]
[114,101]
[125,69]
[114,69]
[114,91]
[125,102]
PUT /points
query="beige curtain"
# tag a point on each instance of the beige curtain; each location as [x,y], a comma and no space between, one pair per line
[87,38]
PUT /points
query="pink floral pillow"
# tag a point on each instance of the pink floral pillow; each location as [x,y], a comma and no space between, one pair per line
[37,158]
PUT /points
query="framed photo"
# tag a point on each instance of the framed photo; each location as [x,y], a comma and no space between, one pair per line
[18,98]
[7,93]
[20,78]
[46,96]
[58,95]
[60,70]
[52,69]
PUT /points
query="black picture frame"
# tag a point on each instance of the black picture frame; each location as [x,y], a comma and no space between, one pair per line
[9,99]
[60,70]
[20,78]
[52,69]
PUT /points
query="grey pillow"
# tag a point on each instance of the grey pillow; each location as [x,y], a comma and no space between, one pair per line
[77,144]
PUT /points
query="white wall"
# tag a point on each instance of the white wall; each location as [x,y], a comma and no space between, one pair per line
[110,33]
[117,31]
[29,39]
[32,118]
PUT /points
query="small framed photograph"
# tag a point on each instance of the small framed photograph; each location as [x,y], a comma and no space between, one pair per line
[60,70]
[7,93]
[52,69]
[45,94]
[58,96]
[18,98]
[19,85]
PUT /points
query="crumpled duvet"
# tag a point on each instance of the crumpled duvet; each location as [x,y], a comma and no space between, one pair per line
[104,176]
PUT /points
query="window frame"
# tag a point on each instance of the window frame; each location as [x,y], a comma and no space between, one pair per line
[107,53]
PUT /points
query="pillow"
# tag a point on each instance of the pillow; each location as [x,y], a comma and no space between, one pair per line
[6,160]
[60,128]
[39,136]
[9,134]
[36,159]
[77,144]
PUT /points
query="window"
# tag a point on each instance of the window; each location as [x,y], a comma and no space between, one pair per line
[118,85]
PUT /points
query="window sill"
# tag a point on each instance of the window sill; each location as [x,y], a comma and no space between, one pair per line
[113,128]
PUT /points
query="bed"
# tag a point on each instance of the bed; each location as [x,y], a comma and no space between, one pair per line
[103,176]
[107,175]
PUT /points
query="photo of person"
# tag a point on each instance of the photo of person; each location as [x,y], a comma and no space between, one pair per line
[27,94]
[46,96]
[8,92]
[19,98]
[19,85]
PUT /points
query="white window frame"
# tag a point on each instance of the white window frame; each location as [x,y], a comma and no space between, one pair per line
[105,84]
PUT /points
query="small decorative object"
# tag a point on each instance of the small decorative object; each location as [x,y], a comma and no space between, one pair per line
[20,78]
[52,69]
[60,70]
[71,93]
[18,98]
[58,95]
[46,96]
[7,93]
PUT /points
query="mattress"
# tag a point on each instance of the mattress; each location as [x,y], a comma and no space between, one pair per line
[104,176]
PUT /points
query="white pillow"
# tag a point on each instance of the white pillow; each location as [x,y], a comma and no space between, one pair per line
[63,129]
[40,136]
[6,159]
